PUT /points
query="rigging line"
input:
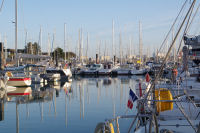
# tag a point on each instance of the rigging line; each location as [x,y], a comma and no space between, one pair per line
[182,15]
[1,5]
[180,107]
[172,25]
[193,17]
[185,115]
[186,28]
[170,48]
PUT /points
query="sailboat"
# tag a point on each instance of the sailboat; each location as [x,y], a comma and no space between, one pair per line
[138,69]
[64,71]
[19,79]
[165,110]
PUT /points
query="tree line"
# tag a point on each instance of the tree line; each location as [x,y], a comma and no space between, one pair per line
[34,48]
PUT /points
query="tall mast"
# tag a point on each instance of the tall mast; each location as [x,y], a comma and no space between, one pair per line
[130,42]
[68,48]
[79,44]
[65,40]
[5,45]
[120,43]
[26,34]
[105,52]
[53,46]
[40,41]
[16,32]
[99,49]
[49,45]
[113,40]
[77,50]
[140,42]
[87,45]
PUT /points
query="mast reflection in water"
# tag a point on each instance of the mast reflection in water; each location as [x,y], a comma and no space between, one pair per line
[65,107]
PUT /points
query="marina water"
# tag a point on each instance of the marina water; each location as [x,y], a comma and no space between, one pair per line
[76,106]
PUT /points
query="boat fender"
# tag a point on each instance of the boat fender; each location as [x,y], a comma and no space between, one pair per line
[9,74]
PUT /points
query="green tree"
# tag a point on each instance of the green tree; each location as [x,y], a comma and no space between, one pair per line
[58,52]
[70,55]
[32,48]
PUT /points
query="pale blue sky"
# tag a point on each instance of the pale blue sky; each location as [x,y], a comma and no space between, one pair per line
[94,16]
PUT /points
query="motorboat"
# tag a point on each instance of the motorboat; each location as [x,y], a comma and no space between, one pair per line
[93,69]
[65,73]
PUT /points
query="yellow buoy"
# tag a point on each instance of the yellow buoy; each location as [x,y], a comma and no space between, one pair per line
[163,94]
[108,128]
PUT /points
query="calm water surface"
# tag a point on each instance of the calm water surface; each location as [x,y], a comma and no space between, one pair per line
[68,107]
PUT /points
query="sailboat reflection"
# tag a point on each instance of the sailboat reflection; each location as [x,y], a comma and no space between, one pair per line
[67,88]
[26,95]
[21,95]
[68,91]
[2,101]
[16,91]
[124,79]
[107,81]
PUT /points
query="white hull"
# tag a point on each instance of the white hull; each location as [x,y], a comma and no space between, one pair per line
[104,71]
[90,72]
[123,71]
[138,72]
[65,74]
[19,81]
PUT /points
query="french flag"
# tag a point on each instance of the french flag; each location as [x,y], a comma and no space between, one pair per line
[132,98]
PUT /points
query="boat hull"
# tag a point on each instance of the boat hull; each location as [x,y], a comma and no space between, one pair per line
[123,72]
[19,81]
[105,72]
[65,74]
[138,72]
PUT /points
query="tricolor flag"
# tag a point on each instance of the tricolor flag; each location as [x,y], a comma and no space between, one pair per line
[132,98]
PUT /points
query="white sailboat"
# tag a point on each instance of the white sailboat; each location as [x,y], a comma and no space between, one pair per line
[62,73]
[138,69]
[17,79]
